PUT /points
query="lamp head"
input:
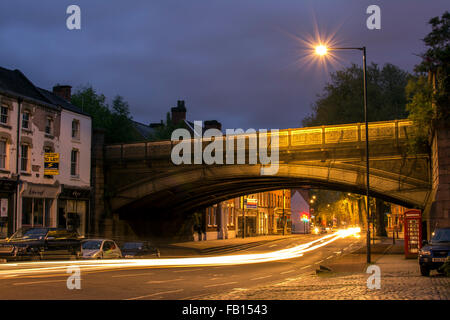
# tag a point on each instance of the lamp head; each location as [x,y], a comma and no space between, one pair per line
[321,50]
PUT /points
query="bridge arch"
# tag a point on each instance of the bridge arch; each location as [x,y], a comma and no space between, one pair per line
[199,186]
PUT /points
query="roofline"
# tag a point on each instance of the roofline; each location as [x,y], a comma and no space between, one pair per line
[30,100]
[62,107]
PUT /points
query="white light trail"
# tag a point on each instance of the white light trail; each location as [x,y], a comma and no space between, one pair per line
[33,268]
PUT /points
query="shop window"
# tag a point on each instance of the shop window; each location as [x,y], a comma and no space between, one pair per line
[27,211]
[76,129]
[24,157]
[72,215]
[26,120]
[3,154]
[4,112]
[74,157]
[47,214]
[36,211]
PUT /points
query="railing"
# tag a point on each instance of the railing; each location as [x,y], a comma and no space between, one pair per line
[301,138]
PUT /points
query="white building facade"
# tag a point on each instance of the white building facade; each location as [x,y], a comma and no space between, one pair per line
[35,122]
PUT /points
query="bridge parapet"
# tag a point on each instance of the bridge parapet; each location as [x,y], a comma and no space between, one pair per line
[323,137]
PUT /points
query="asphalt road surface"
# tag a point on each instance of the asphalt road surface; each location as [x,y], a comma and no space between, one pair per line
[38,281]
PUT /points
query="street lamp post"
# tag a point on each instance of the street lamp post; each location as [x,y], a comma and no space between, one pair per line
[322,50]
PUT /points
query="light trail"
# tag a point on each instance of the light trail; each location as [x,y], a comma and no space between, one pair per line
[33,268]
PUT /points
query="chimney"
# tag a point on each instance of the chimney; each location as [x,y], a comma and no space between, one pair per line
[64,92]
[212,124]
[179,112]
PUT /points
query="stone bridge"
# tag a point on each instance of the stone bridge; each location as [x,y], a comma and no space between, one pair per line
[141,177]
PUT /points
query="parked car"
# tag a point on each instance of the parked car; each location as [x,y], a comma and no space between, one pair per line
[100,249]
[41,243]
[139,249]
[433,255]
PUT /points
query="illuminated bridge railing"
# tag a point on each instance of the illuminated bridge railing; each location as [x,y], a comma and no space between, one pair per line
[292,139]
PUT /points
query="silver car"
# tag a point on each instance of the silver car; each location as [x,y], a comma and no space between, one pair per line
[100,249]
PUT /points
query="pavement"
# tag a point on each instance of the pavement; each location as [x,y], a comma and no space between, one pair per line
[347,280]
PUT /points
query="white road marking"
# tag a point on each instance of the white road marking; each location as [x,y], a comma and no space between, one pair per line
[37,282]
[259,278]
[329,257]
[155,294]
[305,267]
[289,271]
[274,245]
[318,262]
[219,284]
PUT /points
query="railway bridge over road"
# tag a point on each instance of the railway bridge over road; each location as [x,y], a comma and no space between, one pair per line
[138,180]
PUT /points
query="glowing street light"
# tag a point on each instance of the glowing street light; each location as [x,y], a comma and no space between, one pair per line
[323,50]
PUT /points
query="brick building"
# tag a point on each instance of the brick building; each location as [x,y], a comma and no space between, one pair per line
[34,122]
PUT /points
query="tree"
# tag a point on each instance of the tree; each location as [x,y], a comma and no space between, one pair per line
[116,120]
[428,92]
[94,104]
[121,125]
[342,99]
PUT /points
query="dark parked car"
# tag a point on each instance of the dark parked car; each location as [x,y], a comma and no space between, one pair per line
[139,249]
[41,243]
[433,255]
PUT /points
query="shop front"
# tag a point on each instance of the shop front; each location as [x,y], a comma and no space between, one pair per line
[38,205]
[73,209]
[7,192]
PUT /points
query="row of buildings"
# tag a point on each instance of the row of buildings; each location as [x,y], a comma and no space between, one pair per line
[263,213]
[35,122]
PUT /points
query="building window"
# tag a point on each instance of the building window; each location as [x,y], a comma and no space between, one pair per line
[24,149]
[49,126]
[2,154]
[76,129]
[4,115]
[36,211]
[26,120]
[208,216]
[230,216]
[74,163]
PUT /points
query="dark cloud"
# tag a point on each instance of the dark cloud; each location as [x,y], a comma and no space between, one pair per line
[231,60]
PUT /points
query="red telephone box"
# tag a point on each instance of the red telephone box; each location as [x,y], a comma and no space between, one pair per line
[413,232]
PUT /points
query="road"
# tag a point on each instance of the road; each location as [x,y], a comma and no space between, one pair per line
[41,280]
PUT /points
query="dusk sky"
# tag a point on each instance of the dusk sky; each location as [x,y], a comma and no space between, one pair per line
[236,61]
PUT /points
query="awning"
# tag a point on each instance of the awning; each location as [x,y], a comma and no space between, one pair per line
[69,192]
[32,190]
[8,185]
